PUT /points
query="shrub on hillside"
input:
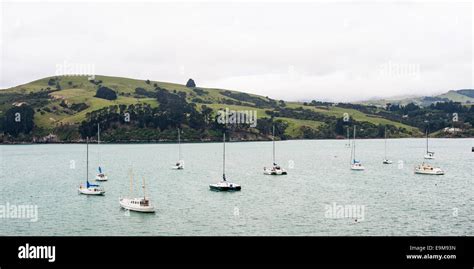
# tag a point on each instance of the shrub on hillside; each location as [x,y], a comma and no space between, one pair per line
[18,119]
[106,93]
[200,92]
[190,83]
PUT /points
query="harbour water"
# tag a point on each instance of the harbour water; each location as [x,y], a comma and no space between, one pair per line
[394,200]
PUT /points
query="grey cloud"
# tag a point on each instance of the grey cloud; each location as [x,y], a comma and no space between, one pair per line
[283,50]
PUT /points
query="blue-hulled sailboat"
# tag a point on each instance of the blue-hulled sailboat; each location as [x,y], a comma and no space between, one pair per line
[88,188]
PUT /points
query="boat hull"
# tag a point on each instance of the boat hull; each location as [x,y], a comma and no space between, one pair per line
[274,173]
[215,187]
[177,167]
[124,203]
[437,173]
[101,178]
[357,168]
[425,169]
[89,191]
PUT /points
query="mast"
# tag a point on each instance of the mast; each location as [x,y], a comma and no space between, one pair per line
[223,159]
[385,133]
[143,186]
[354,142]
[351,146]
[87,159]
[131,181]
[273,138]
[348,138]
[98,142]
[179,144]
[427,140]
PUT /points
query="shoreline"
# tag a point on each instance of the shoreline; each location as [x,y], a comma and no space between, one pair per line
[217,141]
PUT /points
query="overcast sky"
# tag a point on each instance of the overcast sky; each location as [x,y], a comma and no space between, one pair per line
[304,51]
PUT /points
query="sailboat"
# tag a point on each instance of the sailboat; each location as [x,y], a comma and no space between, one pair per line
[385,160]
[88,188]
[355,164]
[101,176]
[224,185]
[140,204]
[275,169]
[429,154]
[180,164]
[427,169]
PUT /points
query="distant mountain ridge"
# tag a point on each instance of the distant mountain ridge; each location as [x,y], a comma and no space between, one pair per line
[463,96]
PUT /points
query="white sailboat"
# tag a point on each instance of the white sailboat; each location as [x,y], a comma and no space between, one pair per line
[355,164]
[427,169]
[140,204]
[275,170]
[88,188]
[224,185]
[180,163]
[429,154]
[385,160]
[101,176]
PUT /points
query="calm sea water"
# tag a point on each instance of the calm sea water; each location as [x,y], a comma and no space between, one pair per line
[395,201]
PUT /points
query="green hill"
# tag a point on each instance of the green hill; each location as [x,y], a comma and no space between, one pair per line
[62,104]
[462,96]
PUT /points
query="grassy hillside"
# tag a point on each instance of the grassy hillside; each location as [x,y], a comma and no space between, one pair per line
[458,96]
[357,115]
[54,99]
